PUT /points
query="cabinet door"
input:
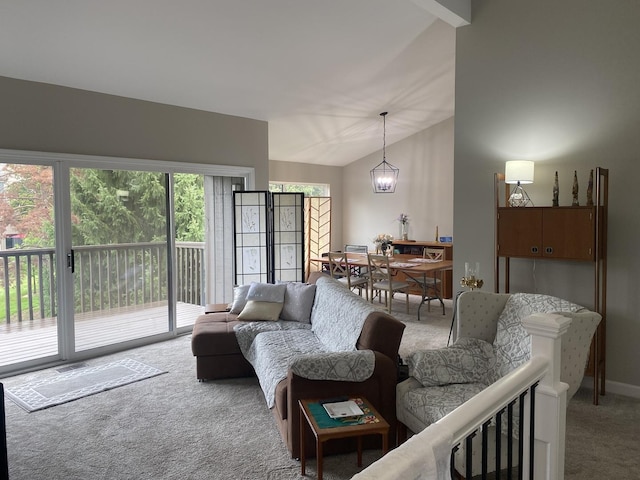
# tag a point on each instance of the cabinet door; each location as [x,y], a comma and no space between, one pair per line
[519,231]
[568,233]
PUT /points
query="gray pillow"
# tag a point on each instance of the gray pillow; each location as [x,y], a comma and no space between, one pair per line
[239,298]
[266,292]
[469,360]
[298,301]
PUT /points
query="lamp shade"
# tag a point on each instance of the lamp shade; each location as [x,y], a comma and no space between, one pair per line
[518,171]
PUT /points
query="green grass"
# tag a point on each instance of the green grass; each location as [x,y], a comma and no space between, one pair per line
[13,305]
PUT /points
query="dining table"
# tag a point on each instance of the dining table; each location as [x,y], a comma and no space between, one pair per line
[411,266]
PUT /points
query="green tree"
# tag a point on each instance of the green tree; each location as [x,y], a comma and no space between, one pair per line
[117,206]
[308,190]
[189,207]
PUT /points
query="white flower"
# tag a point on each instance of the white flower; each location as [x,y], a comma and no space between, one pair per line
[383,238]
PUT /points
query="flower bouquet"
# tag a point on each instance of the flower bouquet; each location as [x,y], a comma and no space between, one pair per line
[382,242]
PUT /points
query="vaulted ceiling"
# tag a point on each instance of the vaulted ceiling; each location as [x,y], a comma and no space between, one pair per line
[319,72]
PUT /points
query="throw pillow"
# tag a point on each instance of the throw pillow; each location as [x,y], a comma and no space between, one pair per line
[256,310]
[512,343]
[469,360]
[239,298]
[266,292]
[298,301]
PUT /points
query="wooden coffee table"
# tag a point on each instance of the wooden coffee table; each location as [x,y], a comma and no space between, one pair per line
[323,434]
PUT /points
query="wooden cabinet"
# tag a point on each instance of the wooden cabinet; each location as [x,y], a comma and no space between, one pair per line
[416,248]
[560,233]
[566,233]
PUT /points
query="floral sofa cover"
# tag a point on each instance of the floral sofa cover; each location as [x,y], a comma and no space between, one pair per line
[339,344]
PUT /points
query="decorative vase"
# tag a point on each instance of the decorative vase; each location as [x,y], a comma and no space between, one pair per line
[405,231]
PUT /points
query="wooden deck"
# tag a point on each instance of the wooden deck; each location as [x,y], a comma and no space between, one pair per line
[30,340]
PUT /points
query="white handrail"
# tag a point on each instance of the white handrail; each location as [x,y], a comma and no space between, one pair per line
[470,415]
[426,454]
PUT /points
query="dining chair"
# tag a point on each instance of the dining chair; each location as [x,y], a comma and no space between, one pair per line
[340,269]
[363,249]
[381,280]
[430,285]
[356,248]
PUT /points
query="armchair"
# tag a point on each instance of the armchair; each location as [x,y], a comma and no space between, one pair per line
[491,343]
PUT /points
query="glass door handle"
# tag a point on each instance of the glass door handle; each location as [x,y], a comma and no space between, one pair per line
[71,261]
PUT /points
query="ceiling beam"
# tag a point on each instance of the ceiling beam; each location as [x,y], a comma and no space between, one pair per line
[456,13]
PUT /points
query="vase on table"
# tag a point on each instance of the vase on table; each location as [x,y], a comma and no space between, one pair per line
[405,230]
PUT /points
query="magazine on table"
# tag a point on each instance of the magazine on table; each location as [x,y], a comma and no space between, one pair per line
[347,408]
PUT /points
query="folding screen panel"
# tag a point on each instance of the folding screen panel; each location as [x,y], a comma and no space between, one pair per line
[288,237]
[269,237]
[251,218]
[317,212]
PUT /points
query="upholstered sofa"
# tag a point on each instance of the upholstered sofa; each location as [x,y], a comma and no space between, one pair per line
[491,342]
[339,345]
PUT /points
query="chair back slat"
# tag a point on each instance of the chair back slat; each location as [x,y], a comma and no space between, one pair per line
[338,266]
[379,267]
[433,253]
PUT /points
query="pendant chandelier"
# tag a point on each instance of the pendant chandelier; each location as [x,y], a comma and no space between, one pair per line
[384,176]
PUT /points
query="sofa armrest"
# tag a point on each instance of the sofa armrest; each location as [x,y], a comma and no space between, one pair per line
[354,366]
[477,314]
[575,347]
[379,389]
[381,333]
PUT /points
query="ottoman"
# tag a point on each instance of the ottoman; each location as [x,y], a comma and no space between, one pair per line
[216,349]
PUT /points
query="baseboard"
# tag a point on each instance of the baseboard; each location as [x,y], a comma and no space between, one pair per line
[617,388]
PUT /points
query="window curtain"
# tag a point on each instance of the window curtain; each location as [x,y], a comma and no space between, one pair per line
[219,238]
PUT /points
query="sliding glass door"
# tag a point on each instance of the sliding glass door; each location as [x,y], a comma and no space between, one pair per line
[96,258]
[28,300]
[120,260]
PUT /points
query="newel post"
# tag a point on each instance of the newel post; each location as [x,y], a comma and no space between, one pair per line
[546,331]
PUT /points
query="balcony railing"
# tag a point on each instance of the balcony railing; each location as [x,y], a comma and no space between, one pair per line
[106,277]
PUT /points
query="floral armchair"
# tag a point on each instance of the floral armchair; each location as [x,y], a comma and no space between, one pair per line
[491,343]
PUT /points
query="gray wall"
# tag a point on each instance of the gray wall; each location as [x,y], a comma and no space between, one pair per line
[424,190]
[43,117]
[557,83]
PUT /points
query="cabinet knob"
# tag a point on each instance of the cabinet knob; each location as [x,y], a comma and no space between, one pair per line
[534,249]
[548,250]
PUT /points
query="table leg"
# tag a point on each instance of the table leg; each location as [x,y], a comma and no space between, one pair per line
[302,455]
[385,443]
[319,457]
[359,451]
